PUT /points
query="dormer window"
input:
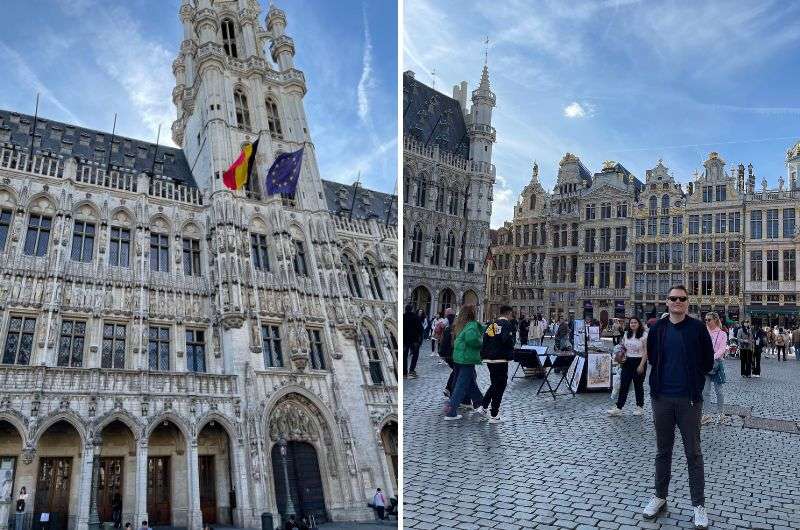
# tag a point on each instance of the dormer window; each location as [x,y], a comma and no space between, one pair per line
[229,38]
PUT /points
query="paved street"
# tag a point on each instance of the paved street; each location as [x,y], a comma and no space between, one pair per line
[565,464]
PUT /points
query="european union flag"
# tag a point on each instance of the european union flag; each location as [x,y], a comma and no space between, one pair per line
[284,173]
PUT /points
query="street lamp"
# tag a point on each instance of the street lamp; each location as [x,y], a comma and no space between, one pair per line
[290,510]
[94,518]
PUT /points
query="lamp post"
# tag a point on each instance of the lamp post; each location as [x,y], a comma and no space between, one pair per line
[94,518]
[290,510]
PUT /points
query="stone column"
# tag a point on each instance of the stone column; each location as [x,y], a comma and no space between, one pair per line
[194,516]
[241,515]
[140,502]
[85,486]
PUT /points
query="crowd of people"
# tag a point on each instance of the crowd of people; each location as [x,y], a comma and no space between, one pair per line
[685,356]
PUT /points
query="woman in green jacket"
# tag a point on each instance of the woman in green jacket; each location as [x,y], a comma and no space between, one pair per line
[468,334]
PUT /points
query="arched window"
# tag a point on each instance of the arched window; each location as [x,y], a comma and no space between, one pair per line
[653,205]
[300,259]
[416,245]
[450,252]
[439,198]
[242,112]
[453,207]
[533,201]
[437,247]
[352,277]
[374,357]
[229,38]
[665,204]
[374,281]
[274,120]
[422,192]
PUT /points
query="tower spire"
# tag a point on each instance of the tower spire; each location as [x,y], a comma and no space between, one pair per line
[486,51]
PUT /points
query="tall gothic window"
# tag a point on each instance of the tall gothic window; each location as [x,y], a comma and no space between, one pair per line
[38,235]
[274,120]
[19,340]
[352,278]
[422,192]
[258,243]
[158,348]
[70,344]
[374,281]
[440,198]
[113,346]
[271,345]
[191,257]
[5,224]
[195,350]
[450,251]
[300,259]
[229,38]
[375,370]
[437,247]
[242,112]
[82,241]
[317,353]
[416,245]
[159,252]
[119,248]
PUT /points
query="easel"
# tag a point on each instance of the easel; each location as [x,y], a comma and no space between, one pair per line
[561,361]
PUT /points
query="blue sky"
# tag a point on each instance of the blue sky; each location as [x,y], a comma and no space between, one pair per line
[619,80]
[92,58]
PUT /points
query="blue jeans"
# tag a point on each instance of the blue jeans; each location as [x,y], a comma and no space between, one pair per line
[466,386]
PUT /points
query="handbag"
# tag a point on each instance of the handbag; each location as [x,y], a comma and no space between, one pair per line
[620,353]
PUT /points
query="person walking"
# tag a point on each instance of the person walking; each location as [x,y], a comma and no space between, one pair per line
[796,342]
[780,344]
[536,332]
[759,342]
[634,341]
[716,377]
[524,328]
[617,331]
[496,352]
[379,502]
[468,334]
[446,350]
[680,352]
[437,326]
[426,327]
[412,335]
[562,335]
[746,342]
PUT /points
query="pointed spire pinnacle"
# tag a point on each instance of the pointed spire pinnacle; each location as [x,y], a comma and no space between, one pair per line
[485,78]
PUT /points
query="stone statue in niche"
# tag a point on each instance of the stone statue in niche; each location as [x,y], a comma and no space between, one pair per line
[294,343]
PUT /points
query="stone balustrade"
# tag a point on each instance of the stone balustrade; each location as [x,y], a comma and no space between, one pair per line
[29,379]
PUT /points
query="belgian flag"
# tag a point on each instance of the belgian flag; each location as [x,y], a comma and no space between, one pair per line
[238,174]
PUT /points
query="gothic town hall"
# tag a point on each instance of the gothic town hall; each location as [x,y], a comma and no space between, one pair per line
[198,354]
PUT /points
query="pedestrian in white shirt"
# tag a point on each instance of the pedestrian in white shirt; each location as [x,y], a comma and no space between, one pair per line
[379,501]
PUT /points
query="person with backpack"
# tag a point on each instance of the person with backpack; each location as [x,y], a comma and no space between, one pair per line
[780,344]
[437,326]
[759,342]
[746,342]
[497,350]
[446,349]
[468,334]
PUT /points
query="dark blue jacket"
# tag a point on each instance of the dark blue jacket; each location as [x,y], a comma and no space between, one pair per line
[699,354]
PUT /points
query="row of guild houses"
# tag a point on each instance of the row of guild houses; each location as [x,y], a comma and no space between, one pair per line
[605,244]
[199,355]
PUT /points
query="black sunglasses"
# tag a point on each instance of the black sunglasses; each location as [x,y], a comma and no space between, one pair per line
[678,298]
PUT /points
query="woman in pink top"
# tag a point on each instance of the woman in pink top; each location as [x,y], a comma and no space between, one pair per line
[716,377]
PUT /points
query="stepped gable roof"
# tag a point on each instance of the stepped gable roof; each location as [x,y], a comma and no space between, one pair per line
[93,145]
[370,204]
[433,118]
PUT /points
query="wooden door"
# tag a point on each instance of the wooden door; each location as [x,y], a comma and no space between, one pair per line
[208,488]
[52,492]
[109,487]
[305,483]
[158,491]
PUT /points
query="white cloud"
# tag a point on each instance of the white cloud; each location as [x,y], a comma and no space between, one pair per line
[16,65]
[366,82]
[503,203]
[574,110]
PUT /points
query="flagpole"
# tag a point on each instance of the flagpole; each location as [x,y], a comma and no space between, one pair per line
[35,118]
[355,192]
[111,145]
[155,154]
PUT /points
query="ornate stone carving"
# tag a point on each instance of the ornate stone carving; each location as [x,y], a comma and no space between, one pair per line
[293,420]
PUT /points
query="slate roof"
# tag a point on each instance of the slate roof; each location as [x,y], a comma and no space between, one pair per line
[92,145]
[433,118]
[370,204]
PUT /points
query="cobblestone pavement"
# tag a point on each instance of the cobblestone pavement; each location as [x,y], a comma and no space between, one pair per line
[565,464]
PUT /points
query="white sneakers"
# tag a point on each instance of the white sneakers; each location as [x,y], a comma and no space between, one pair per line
[700,518]
[657,505]
[495,419]
[654,507]
[481,412]
[706,419]
[638,411]
[452,418]
[614,412]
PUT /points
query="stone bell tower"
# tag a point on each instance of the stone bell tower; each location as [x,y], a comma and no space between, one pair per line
[229,90]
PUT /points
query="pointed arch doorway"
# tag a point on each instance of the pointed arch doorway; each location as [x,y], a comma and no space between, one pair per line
[295,464]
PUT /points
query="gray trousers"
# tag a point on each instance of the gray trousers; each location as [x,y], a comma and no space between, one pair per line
[669,413]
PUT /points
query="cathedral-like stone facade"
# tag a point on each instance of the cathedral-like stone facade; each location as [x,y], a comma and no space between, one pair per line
[194,352]
[448,177]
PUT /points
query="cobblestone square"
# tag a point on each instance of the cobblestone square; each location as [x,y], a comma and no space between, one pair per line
[565,464]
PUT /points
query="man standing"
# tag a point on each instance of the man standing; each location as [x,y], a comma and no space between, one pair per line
[680,351]
[379,501]
[746,340]
[524,327]
[412,335]
[497,350]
